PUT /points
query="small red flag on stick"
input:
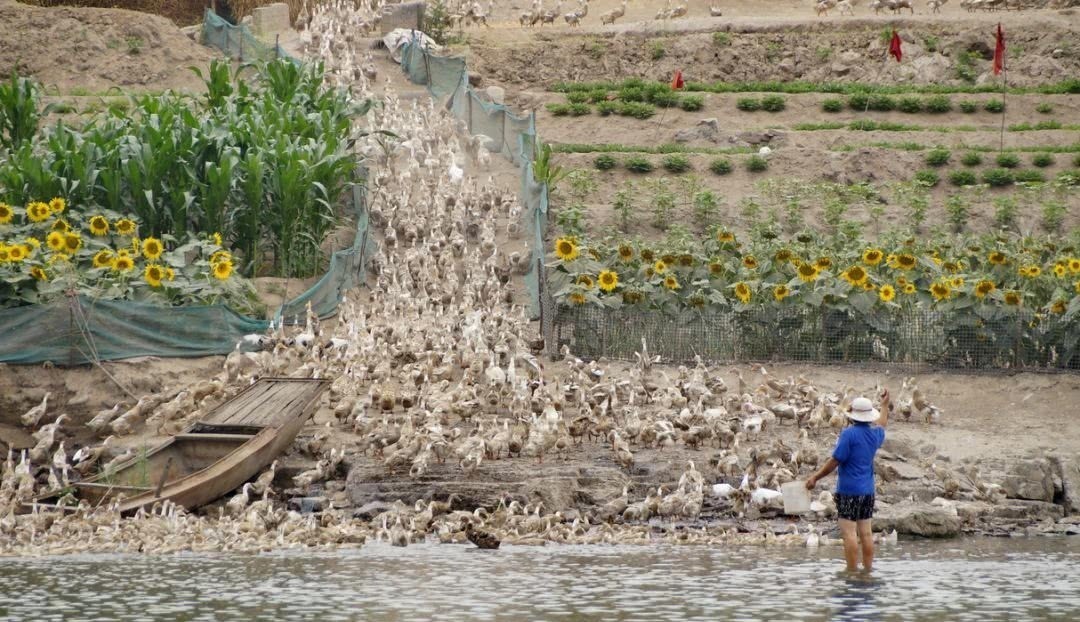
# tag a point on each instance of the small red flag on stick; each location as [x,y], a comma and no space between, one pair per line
[677,82]
[999,51]
[894,47]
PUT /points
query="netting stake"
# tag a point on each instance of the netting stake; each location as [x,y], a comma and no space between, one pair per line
[84,328]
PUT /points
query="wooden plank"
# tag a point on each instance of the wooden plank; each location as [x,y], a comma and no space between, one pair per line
[252,400]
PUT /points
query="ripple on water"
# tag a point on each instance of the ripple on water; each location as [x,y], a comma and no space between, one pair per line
[977,580]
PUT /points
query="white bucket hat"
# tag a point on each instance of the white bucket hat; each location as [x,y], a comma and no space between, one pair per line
[863,410]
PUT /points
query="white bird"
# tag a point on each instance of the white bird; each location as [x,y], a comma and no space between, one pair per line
[31,417]
[456,173]
[235,506]
[723,490]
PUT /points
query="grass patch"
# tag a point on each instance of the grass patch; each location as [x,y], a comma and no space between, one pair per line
[998,177]
[677,163]
[720,166]
[639,164]
[824,125]
[605,162]
[748,104]
[963,178]
[928,178]
[1029,176]
[658,149]
[1042,160]
[1007,160]
[971,158]
[692,103]
[938,157]
[1064,87]
[832,105]
[756,164]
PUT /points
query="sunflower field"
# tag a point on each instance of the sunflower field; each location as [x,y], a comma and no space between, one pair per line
[999,294]
[262,161]
[48,249]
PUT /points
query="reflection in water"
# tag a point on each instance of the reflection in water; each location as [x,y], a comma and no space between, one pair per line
[979,580]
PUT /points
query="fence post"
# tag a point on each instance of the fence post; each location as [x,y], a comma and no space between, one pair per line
[225,29]
[241,45]
[277,46]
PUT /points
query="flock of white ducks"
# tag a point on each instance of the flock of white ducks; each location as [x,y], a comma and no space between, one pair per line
[433,366]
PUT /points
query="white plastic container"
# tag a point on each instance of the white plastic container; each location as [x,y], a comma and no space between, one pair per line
[796,497]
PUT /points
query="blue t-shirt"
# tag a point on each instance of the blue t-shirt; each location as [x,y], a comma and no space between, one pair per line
[855,451]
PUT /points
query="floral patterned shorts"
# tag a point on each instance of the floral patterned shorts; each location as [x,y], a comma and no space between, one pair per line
[854,507]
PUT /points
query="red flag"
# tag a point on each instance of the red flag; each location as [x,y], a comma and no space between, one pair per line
[999,51]
[894,47]
[677,82]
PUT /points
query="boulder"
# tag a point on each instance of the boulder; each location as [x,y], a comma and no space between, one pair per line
[1029,479]
[892,471]
[1068,471]
[706,129]
[1020,510]
[928,521]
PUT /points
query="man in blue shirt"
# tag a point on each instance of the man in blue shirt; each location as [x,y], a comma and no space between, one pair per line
[854,455]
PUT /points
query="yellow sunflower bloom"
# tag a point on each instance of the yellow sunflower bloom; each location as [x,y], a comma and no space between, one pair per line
[780,292]
[6,213]
[5,253]
[1058,307]
[154,274]
[583,280]
[647,255]
[659,267]
[61,225]
[908,288]
[626,253]
[997,258]
[716,268]
[1060,270]
[823,263]
[1074,265]
[55,241]
[941,290]
[872,256]
[99,225]
[222,270]
[742,292]
[72,242]
[906,261]
[169,274]
[577,298]
[1013,298]
[1031,271]
[984,287]
[609,280]
[891,260]
[123,263]
[855,275]
[152,248]
[956,282]
[217,238]
[32,241]
[672,283]
[808,272]
[869,287]
[750,262]
[783,255]
[686,260]
[566,249]
[16,253]
[125,226]
[103,258]
[39,273]
[57,205]
[886,293]
[725,237]
[37,211]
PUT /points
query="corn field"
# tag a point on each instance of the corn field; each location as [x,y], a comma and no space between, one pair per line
[263,161]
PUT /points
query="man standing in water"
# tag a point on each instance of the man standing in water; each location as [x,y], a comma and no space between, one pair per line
[854,455]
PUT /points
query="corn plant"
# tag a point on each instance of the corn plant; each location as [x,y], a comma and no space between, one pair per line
[18,111]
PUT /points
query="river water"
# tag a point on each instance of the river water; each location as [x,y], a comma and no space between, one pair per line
[973,579]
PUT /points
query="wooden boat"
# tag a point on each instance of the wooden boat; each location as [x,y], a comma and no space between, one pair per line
[214,456]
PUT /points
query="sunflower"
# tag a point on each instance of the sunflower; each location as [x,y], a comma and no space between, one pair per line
[647,255]
[103,258]
[951,267]
[716,268]
[37,211]
[61,225]
[32,241]
[57,205]
[855,275]
[886,293]
[55,241]
[626,253]
[16,253]
[595,254]
[672,283]
[823,263]
[956,282]
[742,292]
[6,213]
[725,237]
[901,280]
[1076,287]
[659,267]
[72,242]
[154,274]
[891,260]
[669,259]
[99,225]
[997,258]
[750,262]
[169,274]
[5,253]
[123,263]
[984,287]
[697,300]
[222,270]
[686,260]
[783,255]
[583,280]
[908,288]
[608,280]
[940,290]
[39,273]
[869,287]
[1031,271]
[1060,270]
[808,272]
[633,296]
[1013,298]
[217,238]
[905,261]
[780,292]
[566,249]
[577,298]
[1074,265]
[872,256]
[152,248]
[1058,307]
[125,226]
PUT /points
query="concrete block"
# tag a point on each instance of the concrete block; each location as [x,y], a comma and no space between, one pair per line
[408,15]
[269,20]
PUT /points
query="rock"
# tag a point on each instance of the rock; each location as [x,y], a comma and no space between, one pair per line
[307,505]
[706,129]
[892,471]
[787,65]
[1019,510]
[370,510]
[1029,479]
[928,521]
[895,445]
[840,69]
[753,139]
[1068,470]
[475,80]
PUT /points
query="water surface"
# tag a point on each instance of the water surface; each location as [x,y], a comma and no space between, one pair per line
[976,579]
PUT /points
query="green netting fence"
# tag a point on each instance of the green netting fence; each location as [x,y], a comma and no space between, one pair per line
[447,77]
[237,42]
[77,330]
